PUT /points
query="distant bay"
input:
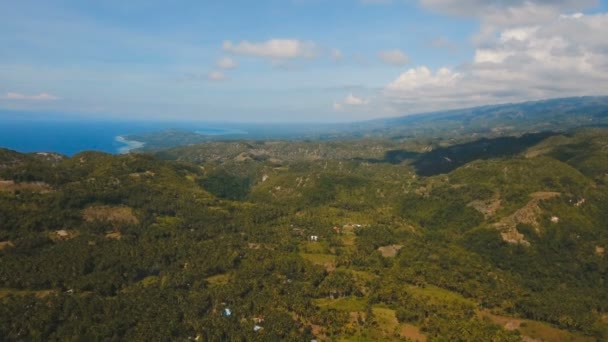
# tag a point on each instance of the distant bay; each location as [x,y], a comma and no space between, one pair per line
[72,136]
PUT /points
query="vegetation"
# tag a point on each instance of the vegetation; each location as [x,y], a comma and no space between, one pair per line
[212,240]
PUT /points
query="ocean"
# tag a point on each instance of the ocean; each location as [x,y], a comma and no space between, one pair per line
[69,137]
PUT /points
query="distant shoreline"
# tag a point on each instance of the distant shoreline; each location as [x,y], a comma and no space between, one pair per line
[130,144]
[220,131]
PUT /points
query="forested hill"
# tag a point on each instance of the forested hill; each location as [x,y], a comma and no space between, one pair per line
[492,121]
[496,239]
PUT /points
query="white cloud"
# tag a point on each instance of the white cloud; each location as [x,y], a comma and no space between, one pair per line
[226,63]
[353,100]
[497,15]
[350,101]
[572,16]
[216,76]
[423,78]
[567,56]
[490,56]
[394,57]
[275,49]
[24,97]
[482,8]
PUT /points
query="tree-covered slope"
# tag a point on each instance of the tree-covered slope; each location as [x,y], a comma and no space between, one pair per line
[346,240]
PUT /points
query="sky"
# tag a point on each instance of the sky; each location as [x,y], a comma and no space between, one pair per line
[294,60]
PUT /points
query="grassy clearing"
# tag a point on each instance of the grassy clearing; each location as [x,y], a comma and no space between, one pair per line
[106,213]
[438,294]
[362,276]
[348,236]
[384,327]
[218,279]
[319,259]
[389,326]
[39,187]
[314,247]
[390,251]
[350,304]
[535,330]
[545,332]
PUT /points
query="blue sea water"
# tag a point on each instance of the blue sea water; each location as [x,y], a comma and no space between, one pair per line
[72,136]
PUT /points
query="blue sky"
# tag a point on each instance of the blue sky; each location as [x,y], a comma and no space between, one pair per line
[294,61]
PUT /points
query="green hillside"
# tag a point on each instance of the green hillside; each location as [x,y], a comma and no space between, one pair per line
[494,239]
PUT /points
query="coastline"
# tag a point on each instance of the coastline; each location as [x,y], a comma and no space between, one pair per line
[220,131]
[130,144]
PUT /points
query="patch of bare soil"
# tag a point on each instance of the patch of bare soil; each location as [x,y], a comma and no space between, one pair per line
[412,332]
[390,251]
[488,208]
[316,330]
[6,244]
[142,174]
[544,195]
[529,339]
[63,235]
[254,245]
[509,323]
[11,186]
[528,214]
[114,236]
[117,215]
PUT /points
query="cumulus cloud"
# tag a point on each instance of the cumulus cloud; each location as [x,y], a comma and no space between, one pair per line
[25,97]
[483,7]
[565,57]
[353,100]
[275,49]
[350,101]
[393,57]
[423,78]
[226,63]
[216,76]
[497,15]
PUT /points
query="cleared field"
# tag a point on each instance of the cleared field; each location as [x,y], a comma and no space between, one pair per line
[117,215]
[11,186]
[218,279]
[349,304]
[534,330]
[4,292]
[438,294]
[6,244]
